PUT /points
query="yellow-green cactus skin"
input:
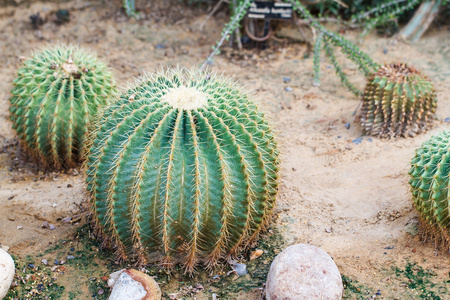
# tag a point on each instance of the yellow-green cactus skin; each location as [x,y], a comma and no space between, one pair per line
[182,169]
[430,169]
[398,101]
[54,97]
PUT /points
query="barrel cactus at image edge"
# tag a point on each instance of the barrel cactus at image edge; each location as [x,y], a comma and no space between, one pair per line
[430,169]
[182,168]
[54,97]
[398,101]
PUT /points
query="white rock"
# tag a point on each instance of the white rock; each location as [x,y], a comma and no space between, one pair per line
[303,272]
[133,285]
[7,270]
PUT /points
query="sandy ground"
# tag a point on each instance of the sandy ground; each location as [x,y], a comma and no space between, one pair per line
[350,199]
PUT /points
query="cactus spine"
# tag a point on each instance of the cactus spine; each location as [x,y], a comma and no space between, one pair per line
[430,169]
[182,169]
[398,101]
[54,96]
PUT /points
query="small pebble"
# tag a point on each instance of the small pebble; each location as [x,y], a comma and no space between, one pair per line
[31,266]
[100,291]
[62,262]
[447,120]
[40,287]
[51,226]
[286,79]
[240,269]
[56,262]
[385,51]
[69,185]
[19,227]
[389,247]
[44,224]
[216,277]
[44,261]
[255,254]
[357,141]
[347,125]
[92,279]
[369,140]
[72,249]
[160,46]
[70,257]
[288,89]
[66,219]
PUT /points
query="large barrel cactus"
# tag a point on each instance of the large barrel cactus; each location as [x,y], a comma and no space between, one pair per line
[54,97]
[430,169]
[182,168]
[398,101]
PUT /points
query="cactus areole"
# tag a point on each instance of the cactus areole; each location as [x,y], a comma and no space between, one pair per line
[53,99]
[430,169]
[398,101]
[182,169]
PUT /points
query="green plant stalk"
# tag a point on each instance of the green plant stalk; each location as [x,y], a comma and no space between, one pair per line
[316,59]
[229,28]
[178,181]
[364,62]
[329,52]
[387,16]
[130,8]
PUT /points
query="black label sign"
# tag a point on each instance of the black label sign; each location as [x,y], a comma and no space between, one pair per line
[270,10]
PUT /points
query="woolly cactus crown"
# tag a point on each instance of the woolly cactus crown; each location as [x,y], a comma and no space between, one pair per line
[398,101]
[182,169]
[54,97]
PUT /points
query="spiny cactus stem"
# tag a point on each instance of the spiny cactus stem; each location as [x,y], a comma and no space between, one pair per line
[113,181]
[70,125]
[84,113]
[38,130]
[227,199]
[54,127]
[191,260]
[245,170]
[137,190]
[165,226]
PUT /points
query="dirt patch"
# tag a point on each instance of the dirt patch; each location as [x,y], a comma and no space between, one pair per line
[342,192]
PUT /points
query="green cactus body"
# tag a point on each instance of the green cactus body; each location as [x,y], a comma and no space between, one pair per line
[430,169]
[182,169]
[53,99]
[398,101]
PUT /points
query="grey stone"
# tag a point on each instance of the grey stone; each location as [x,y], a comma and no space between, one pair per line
[303,272]
[7,270]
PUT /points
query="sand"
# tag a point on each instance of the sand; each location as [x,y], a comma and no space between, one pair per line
[350,199]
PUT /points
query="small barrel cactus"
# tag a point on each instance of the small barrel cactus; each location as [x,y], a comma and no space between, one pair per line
[398,101]
[182,168]
[430,169]
[53,99]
